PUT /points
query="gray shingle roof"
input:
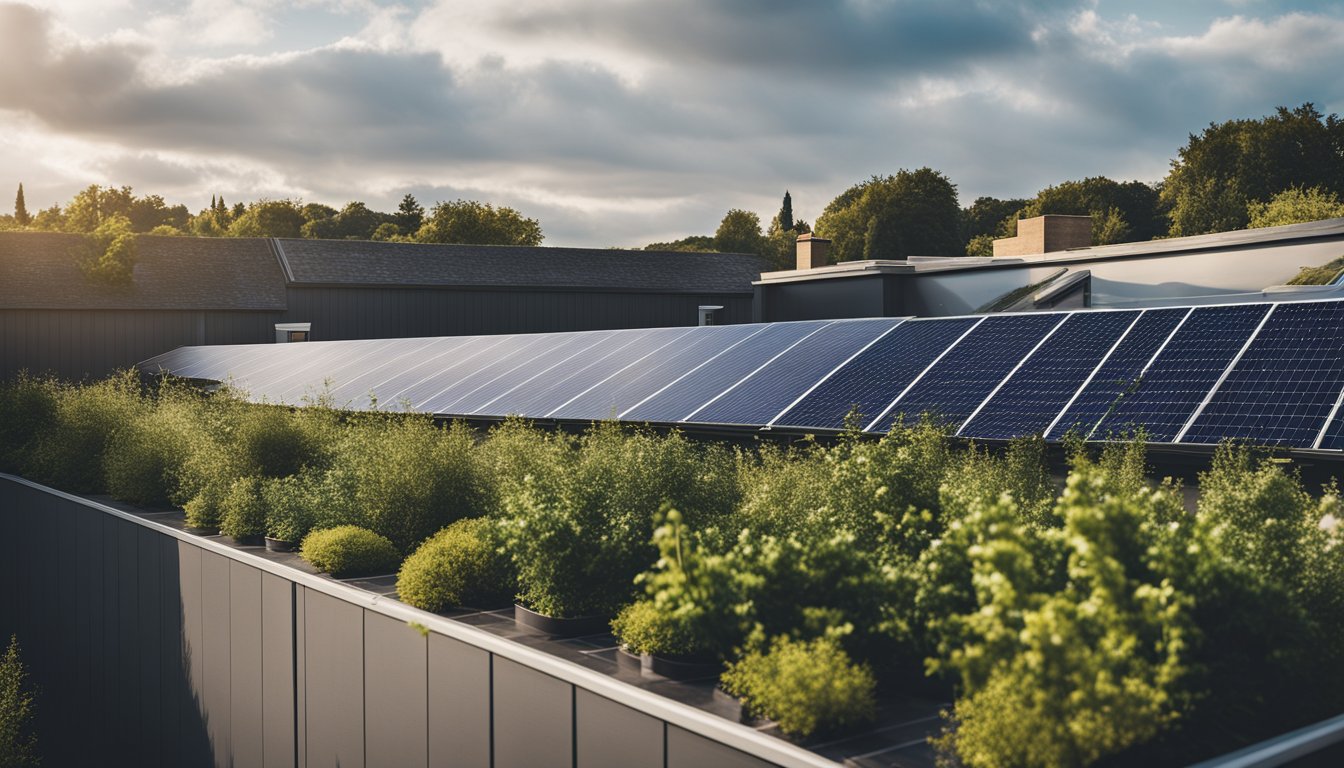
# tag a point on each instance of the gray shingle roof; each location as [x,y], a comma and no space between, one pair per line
[348,262]
[38,271]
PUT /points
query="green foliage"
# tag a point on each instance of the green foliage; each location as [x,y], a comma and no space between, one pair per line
[470,222]
[461,565]
[984,218]
[579,529]
[410,477]
[1062,677]
[293,505]
[1295,205]
[913,213]
[18,741]
[783,219]
[70,453]
[109,252]
[692,244]
[353,222]
[1322,275]
[739,232]
[1230,165]
[1120,211]
[145,454]
[267,218]
[243,509]
[980,246]
[21,216]
[349,550]
[409,215]
[808,688]
[27,410]
[643,628]
[204,510]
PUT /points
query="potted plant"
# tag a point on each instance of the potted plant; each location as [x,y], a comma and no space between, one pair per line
[460,566]
[243,512]
[289,514]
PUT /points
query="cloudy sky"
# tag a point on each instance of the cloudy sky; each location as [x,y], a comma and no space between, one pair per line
[620,122]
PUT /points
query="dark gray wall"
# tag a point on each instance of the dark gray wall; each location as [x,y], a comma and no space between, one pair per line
[374,313]
[822,299]
[155,648]
[74,344]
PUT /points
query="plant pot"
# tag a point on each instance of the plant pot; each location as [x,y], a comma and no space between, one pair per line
[247,541]
[201,531]
[561,628]
[280,545]
[680,667]
[627,660]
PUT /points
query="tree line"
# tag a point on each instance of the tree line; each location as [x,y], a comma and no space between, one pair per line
[1284,168]
[119,211]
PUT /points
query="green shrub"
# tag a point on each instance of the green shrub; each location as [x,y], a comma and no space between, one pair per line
[643,628]
[27,408]
[273,441]
[411,478]
[349,550]
[69,454]
[243,509]
[289,505]
[145,454]
[18,741]
[806,687]
[462,565]
[205,509]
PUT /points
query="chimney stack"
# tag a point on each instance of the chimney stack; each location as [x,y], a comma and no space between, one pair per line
[1046,234]
[812,251]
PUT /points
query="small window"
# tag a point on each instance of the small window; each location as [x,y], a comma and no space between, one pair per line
[298,335]
[287,332]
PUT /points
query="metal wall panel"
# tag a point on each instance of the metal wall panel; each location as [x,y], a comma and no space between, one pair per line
[334,681]
[277,671]
[114,709]
[611,735]
[689,750]
[395,695]
[149,610]
[216,704]
[245,700]
[534,717]
[193,636]
[459,704]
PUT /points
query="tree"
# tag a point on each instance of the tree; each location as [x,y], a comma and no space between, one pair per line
[1295,206]
[691,244]
[268,218]
[410,214]
[739,232]
[1230,165]
[1120,211]
[914,213]
[18,742]
[985,216]
[471,222]
[108,253]
[784,219]
[21,216]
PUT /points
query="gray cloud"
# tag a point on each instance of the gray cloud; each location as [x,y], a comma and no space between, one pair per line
[734,102]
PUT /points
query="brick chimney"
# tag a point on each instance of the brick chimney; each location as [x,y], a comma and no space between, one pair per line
[1044,234]
[812,251]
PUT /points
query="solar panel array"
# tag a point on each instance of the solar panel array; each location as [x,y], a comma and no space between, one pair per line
[1268,373]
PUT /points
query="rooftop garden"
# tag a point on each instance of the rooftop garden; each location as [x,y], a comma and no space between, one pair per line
[1100,621]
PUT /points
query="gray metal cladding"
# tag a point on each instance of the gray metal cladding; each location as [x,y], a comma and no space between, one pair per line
[533,718]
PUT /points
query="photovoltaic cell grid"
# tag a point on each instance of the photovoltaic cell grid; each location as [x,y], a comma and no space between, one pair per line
[1184,372]
[1272,374]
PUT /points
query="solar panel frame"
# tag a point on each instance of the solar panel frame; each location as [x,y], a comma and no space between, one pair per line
[887,412]
[998,387]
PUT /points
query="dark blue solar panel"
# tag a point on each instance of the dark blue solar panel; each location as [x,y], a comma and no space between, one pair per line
[549,389]
[628,387]
[1035,394]
[1183,372]
[296,374]
[439,361]
[869,382]
[701,385]
[762,396]
[486,363]
[1283,388]
[1117,374]
[551,358]
[1333,439]
[956,385]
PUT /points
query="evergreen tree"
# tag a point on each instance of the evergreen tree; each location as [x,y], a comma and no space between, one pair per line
[21,209]
[785,217]
[410,214]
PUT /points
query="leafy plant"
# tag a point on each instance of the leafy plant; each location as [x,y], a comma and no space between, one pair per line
[461,565]
[145,454]
[18,742]
[70,453]
[27,408]
[243,509]
[349,550]
[808,688]
[205,509]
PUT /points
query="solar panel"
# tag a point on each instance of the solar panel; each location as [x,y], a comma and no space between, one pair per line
[956,385]
[869,382]
[445,356]
[549,389]
[1332,435]
[686,394]
[633,384]
[1184,372]
[549,358]
[1118,370]
[771,389]
[1035,393]
[1283,388]
[490,362]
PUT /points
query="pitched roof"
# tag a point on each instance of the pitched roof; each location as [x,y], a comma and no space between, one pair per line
[38,271]
[349,262]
